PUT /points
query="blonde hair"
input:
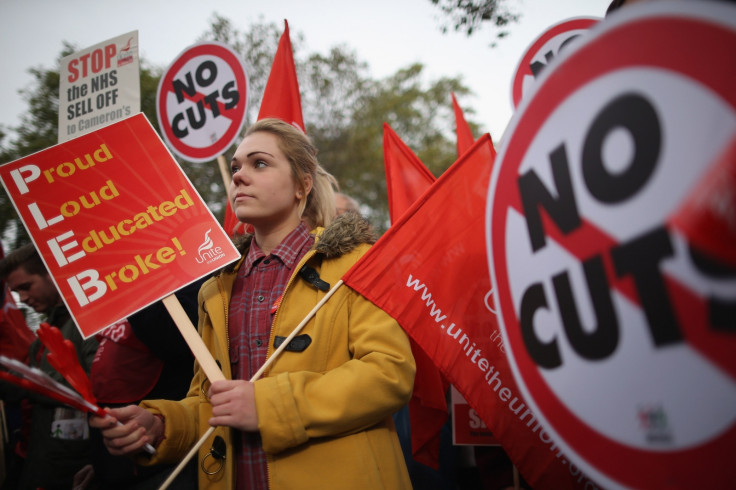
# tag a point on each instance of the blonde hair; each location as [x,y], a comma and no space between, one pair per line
[318,207]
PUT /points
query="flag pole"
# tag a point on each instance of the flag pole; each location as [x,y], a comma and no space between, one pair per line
[257,375]
[224,172]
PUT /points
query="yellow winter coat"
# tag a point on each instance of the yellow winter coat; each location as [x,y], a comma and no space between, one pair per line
[324,413]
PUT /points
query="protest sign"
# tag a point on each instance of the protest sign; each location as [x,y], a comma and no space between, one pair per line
[98,86]
[542,51]
[201,101]
[610,324]
[116,221]
[468,429]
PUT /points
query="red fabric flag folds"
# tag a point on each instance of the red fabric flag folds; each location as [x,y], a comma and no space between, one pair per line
[407,178]
[429,272]
[15,336]
[281,98]
[464,135]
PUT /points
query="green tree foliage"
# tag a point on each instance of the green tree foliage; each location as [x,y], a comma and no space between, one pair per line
[419,112]
[344,110]
[469,15]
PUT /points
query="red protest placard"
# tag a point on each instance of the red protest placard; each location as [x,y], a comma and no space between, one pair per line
[201,101]
[468,429]
[619,335]
[116,221]
[543,51]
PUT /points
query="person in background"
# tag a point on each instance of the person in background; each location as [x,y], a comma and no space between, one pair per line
[344,203]
[320,417]
[58,440]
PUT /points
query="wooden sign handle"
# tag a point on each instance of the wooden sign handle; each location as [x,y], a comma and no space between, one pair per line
[192,338]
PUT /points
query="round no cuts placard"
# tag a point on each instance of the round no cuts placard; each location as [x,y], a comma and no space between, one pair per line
[543,50]
[201,101]
[620,334]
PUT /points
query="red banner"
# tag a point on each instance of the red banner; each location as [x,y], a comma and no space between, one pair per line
[407,177]
[281,98]
[429,272]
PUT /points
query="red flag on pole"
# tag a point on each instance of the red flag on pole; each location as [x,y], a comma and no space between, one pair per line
[464,135]
[281,99]
[15,336]
[407,178]
[429,272]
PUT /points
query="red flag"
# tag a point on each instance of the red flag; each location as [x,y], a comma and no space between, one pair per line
[281,99]
[406,176]
[406,179]
[15,336]
[464,135]
[708,216]
[429,272]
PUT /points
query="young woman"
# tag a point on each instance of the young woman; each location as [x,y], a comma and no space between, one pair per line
[320,417]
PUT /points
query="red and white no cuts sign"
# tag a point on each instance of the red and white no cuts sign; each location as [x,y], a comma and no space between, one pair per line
[201,101]
[543,50]
[621,335]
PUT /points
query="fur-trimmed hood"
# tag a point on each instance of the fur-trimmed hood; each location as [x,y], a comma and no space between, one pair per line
[341,236]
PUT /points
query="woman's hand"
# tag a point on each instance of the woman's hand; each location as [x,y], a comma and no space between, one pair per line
[139,427]
[233,404]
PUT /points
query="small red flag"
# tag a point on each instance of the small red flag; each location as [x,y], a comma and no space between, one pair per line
[406,176]
[15,336]
[434,281]
[406,179]
[281,98]
[464,135]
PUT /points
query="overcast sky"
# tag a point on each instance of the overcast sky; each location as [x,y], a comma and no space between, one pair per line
[387,34]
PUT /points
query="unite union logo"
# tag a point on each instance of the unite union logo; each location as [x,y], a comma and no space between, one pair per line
[208,252]
[653,421]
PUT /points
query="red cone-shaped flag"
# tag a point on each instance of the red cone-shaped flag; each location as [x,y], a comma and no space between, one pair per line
[15,336]
[464,136]
[281,98]
[406,176]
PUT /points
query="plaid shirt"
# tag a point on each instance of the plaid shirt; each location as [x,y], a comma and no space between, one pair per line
[258,287]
